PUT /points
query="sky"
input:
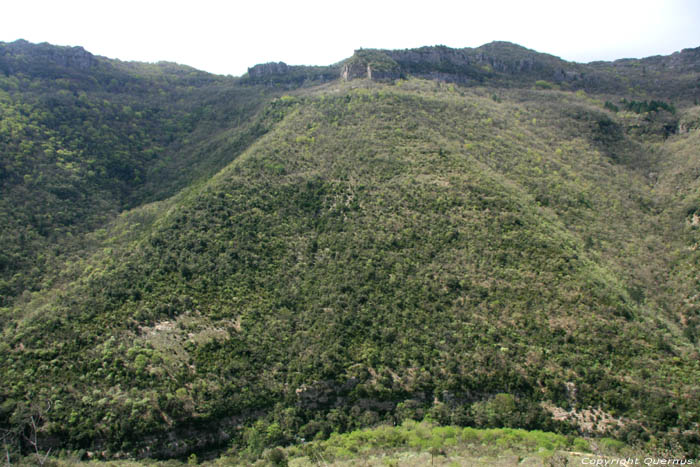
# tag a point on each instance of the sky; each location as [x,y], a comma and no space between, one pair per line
[227,37]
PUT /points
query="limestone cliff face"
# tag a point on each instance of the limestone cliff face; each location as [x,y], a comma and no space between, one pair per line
[687,60]
[66,57]
[281,74]
[266,69]
[474,64]
[370,64]
[495,60]
[356,70]
[496,63]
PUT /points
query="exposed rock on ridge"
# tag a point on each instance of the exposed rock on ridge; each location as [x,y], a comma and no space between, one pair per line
[67,57]
[281,74]
[356,70]
[266,69]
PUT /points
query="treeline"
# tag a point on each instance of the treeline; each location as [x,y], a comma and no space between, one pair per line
[641,107]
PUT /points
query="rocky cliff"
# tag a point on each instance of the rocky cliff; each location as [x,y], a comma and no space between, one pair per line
[459,65]
[266,69]
[510,65]
[281,74]
[43,56]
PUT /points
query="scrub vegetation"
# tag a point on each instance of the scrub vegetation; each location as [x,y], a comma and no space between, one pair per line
[195,265]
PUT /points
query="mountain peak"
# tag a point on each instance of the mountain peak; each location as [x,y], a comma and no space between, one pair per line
[43,55]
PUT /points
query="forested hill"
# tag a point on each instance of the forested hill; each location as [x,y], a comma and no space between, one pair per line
[485,237]
[84,137]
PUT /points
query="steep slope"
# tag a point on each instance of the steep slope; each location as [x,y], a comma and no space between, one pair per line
[383,252]
[84,137]
[679,189]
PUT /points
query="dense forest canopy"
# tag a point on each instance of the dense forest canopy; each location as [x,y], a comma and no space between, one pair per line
[486,238]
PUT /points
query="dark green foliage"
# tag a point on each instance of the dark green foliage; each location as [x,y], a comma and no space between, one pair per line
[644,106]
[81,143]
[610,106]
[277,457]
[378,60]
[251,270]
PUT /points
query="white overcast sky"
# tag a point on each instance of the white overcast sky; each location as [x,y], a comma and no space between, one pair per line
[227,37]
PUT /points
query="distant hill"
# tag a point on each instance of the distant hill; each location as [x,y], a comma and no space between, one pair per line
[504,64]
[488,237]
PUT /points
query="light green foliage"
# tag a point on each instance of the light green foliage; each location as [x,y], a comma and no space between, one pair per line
[78,150]
[411,439]
[368,254]
[542,84]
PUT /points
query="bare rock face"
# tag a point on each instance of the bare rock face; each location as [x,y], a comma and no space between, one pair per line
[73,57]
[371,64]
[430,56]
[266,69]
[281,74]
[463,63]
[356,70]
[68,57]
[495,60]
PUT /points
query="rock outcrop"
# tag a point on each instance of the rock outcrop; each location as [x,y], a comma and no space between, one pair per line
[491,61]
[281,74]
[370,64]
[356,70]
[45,54]
[266,69]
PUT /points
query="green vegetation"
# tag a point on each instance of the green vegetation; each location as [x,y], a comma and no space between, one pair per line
[197,263]
[542,84]
[414,443]
[411,443]
[644,106]
[378,60]
[79,148]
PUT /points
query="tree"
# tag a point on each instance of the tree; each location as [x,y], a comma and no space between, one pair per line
[277,457]
[29,420]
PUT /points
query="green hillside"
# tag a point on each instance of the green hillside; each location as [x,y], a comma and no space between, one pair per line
[418,444]
[83,142]
[196,263]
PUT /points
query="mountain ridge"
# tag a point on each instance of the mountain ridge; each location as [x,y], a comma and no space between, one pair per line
[467,65]
[282,260]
